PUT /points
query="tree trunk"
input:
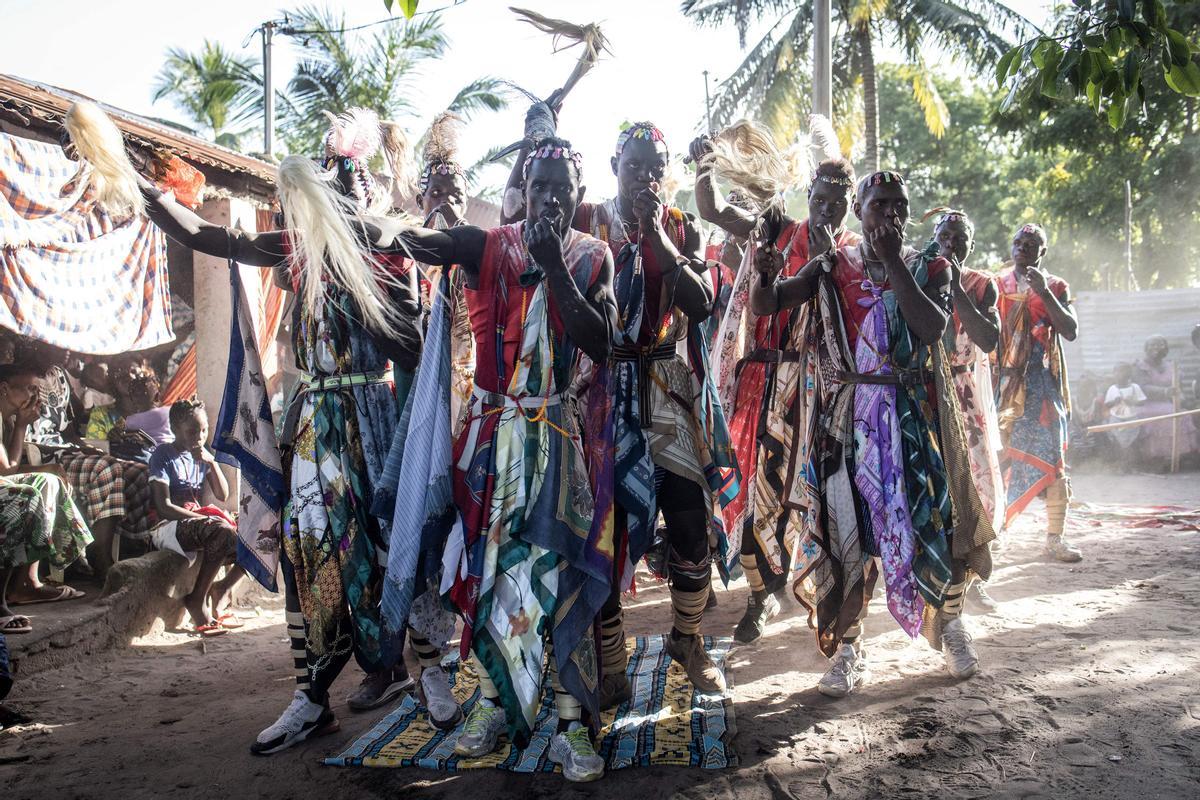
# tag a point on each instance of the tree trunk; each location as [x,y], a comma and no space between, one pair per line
[870,98]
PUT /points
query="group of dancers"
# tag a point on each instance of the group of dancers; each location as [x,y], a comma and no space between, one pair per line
[847,417]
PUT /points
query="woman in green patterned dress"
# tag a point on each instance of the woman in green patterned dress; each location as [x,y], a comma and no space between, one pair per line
[38,519]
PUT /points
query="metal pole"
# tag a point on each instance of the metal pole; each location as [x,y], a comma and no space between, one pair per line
[822,97]
[707,104]
[268,29]
[1129,275]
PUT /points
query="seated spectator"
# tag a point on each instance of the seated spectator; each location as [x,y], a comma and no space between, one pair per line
[134,424]
[1155,374]
[1122,400]
[113,494]
[38,519]
[179,472]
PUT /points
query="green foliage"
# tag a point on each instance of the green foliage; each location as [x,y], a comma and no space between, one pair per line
[1107,55]
[1064,169]
[773,83]
[407,7]
[213,87]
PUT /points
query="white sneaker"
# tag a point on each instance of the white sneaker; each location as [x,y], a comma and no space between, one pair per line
[962,661]
[298,721]
[573,751]
[444,711]
[847,670]
[482,730]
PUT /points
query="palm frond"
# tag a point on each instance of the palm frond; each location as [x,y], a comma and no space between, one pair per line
[481,94]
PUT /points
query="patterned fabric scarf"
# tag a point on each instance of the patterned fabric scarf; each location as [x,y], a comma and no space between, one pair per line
[633,469]
[423,511]
[833,578]
[244,437]
[534,558]
[879,476]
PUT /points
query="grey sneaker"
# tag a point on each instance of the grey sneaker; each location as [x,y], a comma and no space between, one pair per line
[301,719]
[759,610]
[701,671]
[1060,549]
[573,751]
[979,601]
[962,661]
[444,711]
[482,730]
[380,688]
[847,670]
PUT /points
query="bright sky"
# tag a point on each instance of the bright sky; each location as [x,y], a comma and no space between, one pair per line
[112,51]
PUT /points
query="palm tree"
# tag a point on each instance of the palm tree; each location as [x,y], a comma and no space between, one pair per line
[214,87]
[380,70]
[773,80]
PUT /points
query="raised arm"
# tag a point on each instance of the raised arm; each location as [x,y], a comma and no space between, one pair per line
[712,207]
[982,321]
[589,316]
[187,228]
[512,204]
[462,246]
[685,275]
[1062,316]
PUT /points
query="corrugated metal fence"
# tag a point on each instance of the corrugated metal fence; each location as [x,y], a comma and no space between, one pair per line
[1114,326]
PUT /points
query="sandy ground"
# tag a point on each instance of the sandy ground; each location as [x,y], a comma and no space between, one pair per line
[1088,689]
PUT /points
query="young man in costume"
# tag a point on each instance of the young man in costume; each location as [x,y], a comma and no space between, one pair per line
[875,485]
[1033,400]
[671,443]
[759,359]
[536,557]
[356,308]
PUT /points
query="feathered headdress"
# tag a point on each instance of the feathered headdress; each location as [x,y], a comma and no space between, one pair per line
[111,177]
[354,137]
[441,149]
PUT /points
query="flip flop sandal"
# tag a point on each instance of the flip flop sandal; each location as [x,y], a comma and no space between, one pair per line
[13,625]
[209,631]
[64,593]
[230,621]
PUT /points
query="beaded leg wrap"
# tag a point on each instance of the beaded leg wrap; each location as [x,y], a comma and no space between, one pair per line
[690,585]
[1058,496]
[428,656]
[753,576]
[953,604]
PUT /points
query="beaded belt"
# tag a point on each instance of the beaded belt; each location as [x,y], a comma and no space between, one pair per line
[324,383]
[641,357]
[345,380]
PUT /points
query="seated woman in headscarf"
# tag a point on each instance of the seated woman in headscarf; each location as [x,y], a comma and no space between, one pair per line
[1156,375]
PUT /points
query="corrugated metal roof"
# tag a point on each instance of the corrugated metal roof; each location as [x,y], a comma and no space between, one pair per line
[1114,326]
[44,106]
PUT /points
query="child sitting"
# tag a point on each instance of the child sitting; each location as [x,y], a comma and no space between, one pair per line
[1122,401]
[179,471]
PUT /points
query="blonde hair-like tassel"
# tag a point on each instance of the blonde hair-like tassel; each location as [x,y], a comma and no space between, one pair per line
[111,176]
